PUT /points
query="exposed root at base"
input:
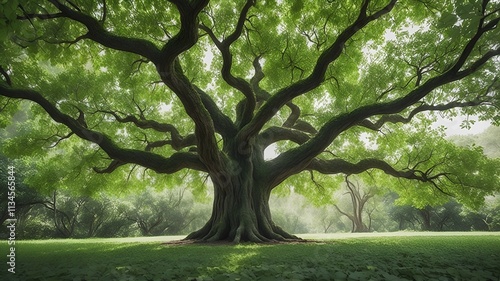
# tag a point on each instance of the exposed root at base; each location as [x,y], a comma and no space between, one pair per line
[242,234]
[229,243]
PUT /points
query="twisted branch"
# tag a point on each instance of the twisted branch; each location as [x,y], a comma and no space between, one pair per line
[160,164]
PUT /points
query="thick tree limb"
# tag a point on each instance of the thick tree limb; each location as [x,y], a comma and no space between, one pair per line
[482,28]
[395,118]
[157,144]
[155,162]
[339,166]
[97,33]
[293,120]
[185,38]
[300,157]
[172,75]
[227,61]
[317,76]
[294,115]
[222,123]
[166,63]
[275,134]
[177,140]
[206,142]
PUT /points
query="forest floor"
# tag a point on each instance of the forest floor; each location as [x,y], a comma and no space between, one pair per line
[371,256]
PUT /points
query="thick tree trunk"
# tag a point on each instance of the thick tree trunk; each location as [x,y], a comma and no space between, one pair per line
[240,209]
[241,213]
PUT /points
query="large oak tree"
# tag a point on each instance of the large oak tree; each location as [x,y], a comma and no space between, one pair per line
[337,87]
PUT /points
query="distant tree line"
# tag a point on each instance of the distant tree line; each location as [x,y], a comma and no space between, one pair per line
[150,212]
[356,206]
[64,215]
[383,214]
[61,214]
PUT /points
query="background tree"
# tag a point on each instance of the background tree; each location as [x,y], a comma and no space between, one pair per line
[486,218]
[339,87]
[359,210]
[25,197]
[488,140]
[158,213]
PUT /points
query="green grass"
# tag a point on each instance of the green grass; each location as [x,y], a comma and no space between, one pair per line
[400,257]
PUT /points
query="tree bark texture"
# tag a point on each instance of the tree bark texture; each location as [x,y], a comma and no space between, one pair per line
[240,210]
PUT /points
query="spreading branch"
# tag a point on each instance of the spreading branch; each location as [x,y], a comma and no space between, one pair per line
[172,75]
[227,62]
[275,134]
[339,166]
[222,123]
[317,76]
[177,140]
[396,118]
[27,16]
[59,139]
[97,33]
[293,120]
[159,164]
[295,160]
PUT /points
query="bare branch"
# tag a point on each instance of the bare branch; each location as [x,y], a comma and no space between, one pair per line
[344,213]
[104,11]
[316,183]
[60,139]
[111,167]
[70,42]
[40,16]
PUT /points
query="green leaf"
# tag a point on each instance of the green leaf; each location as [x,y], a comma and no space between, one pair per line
[447,19]
[467,11]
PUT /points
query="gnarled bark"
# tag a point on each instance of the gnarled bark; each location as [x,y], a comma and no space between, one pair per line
[240,213]
[240,210]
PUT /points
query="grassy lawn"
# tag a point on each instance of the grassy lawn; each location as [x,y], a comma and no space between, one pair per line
[343,257]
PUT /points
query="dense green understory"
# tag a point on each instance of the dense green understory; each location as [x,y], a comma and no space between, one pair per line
[368,258]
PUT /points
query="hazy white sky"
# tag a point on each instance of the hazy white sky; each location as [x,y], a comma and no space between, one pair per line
[453,126]
[452,129]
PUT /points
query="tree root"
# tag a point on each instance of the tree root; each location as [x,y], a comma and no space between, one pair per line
[243,233]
